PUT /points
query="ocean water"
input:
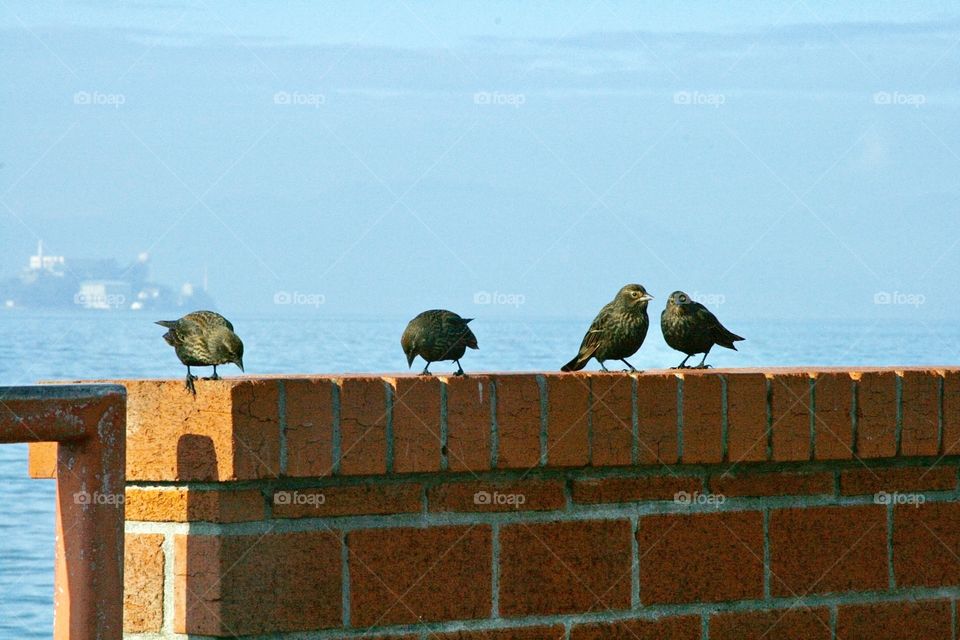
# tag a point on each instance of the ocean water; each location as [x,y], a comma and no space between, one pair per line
[37,347]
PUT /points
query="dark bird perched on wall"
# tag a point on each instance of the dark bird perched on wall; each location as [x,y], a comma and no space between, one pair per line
[437,335]
[689,327]
[202,339]
[618,330]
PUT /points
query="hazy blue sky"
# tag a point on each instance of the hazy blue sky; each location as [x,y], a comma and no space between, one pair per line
[787,159]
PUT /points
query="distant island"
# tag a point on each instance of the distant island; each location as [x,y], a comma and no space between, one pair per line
[54,282]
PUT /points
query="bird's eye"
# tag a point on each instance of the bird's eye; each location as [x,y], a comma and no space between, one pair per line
[633,294]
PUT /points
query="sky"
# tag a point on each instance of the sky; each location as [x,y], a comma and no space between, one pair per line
[789,160]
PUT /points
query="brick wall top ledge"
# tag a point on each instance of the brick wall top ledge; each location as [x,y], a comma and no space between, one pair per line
[267,427]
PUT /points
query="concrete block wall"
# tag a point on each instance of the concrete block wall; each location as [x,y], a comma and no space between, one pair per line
[700,505]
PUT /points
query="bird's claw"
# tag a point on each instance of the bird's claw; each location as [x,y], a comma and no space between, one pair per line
[213,377]
[703,366]
[189,384]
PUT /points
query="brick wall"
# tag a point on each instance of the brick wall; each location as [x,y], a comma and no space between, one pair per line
[727,504]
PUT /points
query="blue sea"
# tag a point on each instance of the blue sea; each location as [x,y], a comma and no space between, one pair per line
[37,347]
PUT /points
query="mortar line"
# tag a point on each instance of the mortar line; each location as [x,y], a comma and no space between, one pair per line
[953,619]
[898,430]
[940,386]
[345,579]
[590,410]
[388,430]
[705,626]
[282,411]
[766,554]
[635,421]
[544,404]
[724,421]
[813,418]
[891,576]
[495,572]
[769,406]
[833,622]
[169,568]
[634,563]
[854,418]
[494,433]
[336,435]
[679,416]
[444,429]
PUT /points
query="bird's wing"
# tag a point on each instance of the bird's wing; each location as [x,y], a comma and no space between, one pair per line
[595,333]
[208,319]
[720,334]
[458,326]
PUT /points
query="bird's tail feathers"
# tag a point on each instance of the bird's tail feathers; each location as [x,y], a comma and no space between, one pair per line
[579,361]
[727,339]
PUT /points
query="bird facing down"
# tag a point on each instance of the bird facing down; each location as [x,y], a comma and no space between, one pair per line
[202,339]
[689,327]
[618,330]
[437,335]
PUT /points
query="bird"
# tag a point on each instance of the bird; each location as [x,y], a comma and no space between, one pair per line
[437,335]
[690,328]
[202,339]
[618,330]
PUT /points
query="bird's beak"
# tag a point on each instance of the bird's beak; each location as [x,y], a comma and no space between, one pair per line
[645,297]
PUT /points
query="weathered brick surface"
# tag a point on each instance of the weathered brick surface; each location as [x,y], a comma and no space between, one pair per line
[828,549]
[402,576]
[657,418]
[468,423]
[363,426]
[523,495]
[640,488]
[180,504]
[611,415]
[787,624]
[416,424]
[701,557]
[791,411]
[143,583]
[564,567]
[737,483]
[833,426]
[568,414]
[518,421]
[921,413]
[866,481]
[677,628]
[877,415]
[229,430]
[702,418]
[248,584]
[926,544]
[951,413]
[309,427]
[555,632]
[895,621]
[746,417]
[347,500]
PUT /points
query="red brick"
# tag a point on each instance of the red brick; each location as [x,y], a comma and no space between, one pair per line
[518,421]
[702,418]
[309,431]
[746,417]
[877,415]
[921,413]
[865,481]
[657,418]
[833,409]
[785,624]
[638,489]
[895,621]
[143,575]
[348,500]
[564,567]
[951,413]
[926,544]
[406,576]
[568,412]
[555,632]
[611,417]
[416,424]
[468,423]
[363,426]
[523,495]
[181,504]
[790,409]
[252,584]
[708,557]
[828,549]
[42,460]
[679,628]
[772,484]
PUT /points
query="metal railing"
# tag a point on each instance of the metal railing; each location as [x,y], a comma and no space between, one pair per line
[89,424]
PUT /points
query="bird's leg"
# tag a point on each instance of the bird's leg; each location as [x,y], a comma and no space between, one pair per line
[214,376]
[190,379]
[426,371]
[603,367]
[459,369]
[702,365]
[683,365]
[632,368]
